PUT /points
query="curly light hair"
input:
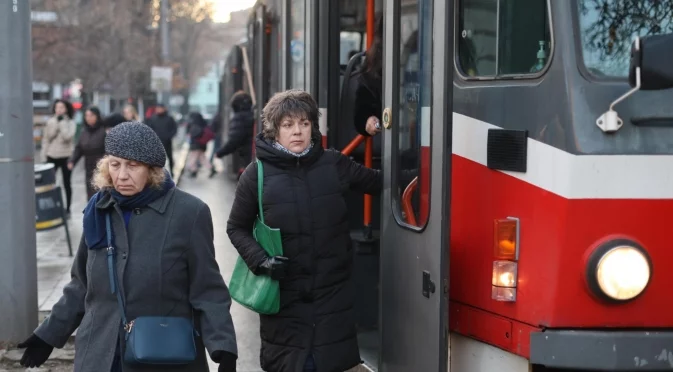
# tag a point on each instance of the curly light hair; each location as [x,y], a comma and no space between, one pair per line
[292,103]
[102,180]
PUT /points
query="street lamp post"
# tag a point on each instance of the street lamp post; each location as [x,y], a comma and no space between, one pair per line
[165,46]
[18,268]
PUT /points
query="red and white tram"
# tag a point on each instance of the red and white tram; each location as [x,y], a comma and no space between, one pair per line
[535,235]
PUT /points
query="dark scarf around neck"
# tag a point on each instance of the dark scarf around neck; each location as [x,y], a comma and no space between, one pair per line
[95,235]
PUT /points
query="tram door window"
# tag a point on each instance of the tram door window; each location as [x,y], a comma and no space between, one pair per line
[351,43]
[412,163]
[500,37]
[297,64]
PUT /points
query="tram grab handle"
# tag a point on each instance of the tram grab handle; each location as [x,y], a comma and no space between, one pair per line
[353,145]
[406,202]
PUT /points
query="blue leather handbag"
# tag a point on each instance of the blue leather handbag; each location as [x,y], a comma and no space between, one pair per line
[151,339]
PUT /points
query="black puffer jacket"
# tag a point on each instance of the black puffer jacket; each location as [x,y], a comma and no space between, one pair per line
[240,135]
[91,145]
[165,127]
[304,198]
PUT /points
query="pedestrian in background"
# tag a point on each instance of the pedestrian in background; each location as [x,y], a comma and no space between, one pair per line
[130,113]
[164,263]
[199,136]
[112,121]
[304,189]
[90,145]
[58,143]
[166,128]
[241,128]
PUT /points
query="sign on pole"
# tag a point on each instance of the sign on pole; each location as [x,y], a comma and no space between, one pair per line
[162,79]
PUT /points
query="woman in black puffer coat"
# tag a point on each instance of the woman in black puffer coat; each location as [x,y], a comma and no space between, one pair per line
[241,128]
[304,187]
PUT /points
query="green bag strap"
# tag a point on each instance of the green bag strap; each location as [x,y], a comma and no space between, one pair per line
[260,186]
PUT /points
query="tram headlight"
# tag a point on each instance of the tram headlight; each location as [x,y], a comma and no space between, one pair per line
[621,270]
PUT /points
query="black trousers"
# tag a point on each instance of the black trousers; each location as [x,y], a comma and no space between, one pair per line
[65,172]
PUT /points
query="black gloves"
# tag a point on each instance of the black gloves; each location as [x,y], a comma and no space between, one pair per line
[274,267]
[226,360]
[37,351]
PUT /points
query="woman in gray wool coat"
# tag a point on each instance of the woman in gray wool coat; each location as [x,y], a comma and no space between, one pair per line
[165,265]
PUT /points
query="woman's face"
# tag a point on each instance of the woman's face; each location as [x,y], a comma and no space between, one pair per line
[294,134]
[128,177]
[90,118]
[60,109]
[128,114]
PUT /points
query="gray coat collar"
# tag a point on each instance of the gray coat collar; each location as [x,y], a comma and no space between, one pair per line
[158,205]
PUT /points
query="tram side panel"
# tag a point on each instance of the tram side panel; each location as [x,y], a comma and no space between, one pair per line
[568,205]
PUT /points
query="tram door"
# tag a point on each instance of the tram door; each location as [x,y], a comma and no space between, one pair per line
[259,52]
[414,245]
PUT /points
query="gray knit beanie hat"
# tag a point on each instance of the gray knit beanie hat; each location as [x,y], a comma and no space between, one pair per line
[135,141]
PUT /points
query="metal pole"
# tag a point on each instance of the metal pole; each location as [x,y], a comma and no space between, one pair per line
[18,263]
[165,45]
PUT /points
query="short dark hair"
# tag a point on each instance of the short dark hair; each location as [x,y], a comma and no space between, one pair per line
[293,103]
[197,119]
[70,111]
[241,101]
[96,111]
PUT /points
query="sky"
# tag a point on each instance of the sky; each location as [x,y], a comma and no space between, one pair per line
[224,7]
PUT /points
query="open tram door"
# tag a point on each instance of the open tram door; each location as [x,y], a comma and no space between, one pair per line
[417,116]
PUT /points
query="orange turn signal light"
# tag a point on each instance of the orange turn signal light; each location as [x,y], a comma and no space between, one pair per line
[505,239]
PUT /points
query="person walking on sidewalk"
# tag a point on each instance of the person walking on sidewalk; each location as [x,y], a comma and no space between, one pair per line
[112,121]
[130,113]
[240,128]
[57,143]
[91,145]
[304,187]
[164,266]
[199,136]
[166,128]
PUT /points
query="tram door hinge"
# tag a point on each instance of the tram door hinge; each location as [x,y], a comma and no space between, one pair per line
[428,284]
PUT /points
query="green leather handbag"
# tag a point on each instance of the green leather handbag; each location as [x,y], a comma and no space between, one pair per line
[260,294]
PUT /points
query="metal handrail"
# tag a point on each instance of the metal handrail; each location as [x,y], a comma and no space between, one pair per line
[353,145]
[407,208]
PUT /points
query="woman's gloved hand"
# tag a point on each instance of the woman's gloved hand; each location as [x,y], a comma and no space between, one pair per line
[37,351]
[226,360]
[274,267]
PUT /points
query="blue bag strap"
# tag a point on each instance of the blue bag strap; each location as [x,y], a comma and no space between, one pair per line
[114,282]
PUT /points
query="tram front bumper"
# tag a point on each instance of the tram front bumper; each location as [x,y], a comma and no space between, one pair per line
[603,350]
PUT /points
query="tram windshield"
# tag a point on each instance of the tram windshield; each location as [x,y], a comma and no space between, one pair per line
[608,27]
